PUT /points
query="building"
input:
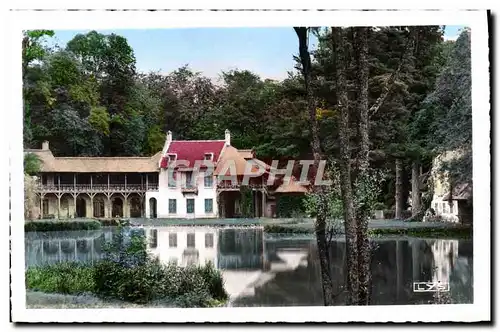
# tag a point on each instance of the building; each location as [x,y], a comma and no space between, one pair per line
[187,179]
[458,206]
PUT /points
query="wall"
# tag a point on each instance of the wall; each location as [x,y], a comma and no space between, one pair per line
[165,193]
[441,189]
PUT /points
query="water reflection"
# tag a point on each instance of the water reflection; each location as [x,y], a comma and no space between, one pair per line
[262,271]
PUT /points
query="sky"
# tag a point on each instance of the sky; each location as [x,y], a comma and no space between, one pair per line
[267,52]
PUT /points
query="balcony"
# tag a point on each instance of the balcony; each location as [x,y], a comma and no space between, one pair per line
[189,190]
[96,188]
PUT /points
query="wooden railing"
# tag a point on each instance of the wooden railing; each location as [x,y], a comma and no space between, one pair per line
[96,188]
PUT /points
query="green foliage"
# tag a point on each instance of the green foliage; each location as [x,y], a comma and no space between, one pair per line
[128,273]
[33,48]
[64,278]
[246,202]
[99,120]
[32,164]
[155,140]
[289,206]
[379,206]
[367,189]
[59,226]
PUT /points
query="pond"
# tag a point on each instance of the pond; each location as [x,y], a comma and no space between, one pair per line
[267,270]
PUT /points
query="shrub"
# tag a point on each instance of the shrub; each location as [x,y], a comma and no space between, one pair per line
[379,206]
[389,214]
[214,281]
[64,278]
[54,226]
[128,273]
[405,214]
[290,206]
[114,222]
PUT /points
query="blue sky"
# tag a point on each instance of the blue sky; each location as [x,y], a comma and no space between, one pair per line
[265,51]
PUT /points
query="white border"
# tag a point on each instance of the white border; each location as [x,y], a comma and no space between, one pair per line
[480,310]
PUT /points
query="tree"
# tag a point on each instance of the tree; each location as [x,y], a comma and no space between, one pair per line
[32,164]
[32,50]
[322,206]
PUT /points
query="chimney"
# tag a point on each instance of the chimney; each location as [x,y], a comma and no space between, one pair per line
[169,137]
[45,145]
[228,137]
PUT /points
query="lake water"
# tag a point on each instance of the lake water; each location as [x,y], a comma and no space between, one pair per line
[265,270]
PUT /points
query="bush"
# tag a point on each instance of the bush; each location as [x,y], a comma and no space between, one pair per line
[114,222]
[405,214]
[389,214]
[128,273]
[290,206]
[54,226]
[379,206]
[64,278]
[288,229]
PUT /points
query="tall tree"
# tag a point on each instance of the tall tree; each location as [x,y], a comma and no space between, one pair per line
[320,225]
[341,64]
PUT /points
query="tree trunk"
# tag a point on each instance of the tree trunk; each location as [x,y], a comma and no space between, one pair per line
[399,188]
[320,225]
[362,213]
[345,168]
[416,205]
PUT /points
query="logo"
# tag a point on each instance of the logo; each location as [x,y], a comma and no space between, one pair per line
[431,286]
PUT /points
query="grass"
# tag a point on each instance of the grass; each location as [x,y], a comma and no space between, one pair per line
[62,278]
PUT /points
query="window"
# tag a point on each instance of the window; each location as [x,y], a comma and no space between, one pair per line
[209,240]
[153,238]
[435,207]
[172,157]
[171,179]
[172,240]
[209,205]
[208,156]
[208,181]
[190,205]
[189,179]
[172,206]
[191,240]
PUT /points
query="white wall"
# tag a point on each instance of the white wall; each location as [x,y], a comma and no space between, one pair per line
[168,254]
[165,193]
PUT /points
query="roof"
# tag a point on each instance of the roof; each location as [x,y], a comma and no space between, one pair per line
[292,187]
[247,153]
[192,151]
[232,155]
[460,192]
[96,164]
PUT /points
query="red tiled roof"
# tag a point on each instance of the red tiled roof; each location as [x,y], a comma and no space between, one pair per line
[192,151]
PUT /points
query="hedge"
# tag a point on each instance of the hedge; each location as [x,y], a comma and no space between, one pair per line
[53,226]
